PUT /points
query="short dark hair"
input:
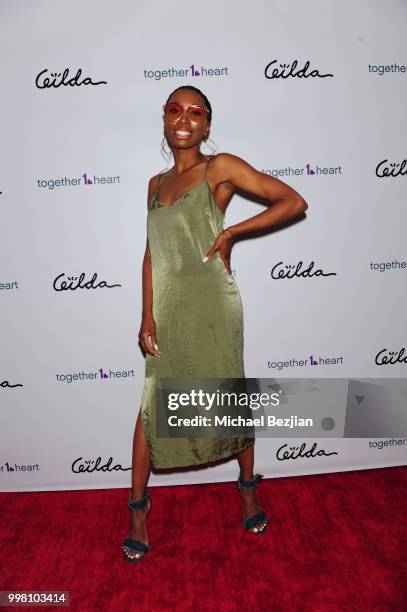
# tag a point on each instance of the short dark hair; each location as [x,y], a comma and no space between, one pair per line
[198,91]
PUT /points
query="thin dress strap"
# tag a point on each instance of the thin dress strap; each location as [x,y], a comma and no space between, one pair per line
[158,185]
[207,165]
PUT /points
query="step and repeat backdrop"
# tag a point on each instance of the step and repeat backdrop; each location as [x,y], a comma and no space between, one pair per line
[311,93]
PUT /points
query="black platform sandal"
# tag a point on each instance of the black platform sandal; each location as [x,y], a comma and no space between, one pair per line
[130,544]
[260,517]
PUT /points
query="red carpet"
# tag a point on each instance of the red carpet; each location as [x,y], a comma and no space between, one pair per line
[337,542]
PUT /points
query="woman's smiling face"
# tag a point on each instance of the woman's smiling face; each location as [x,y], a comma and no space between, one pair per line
[186,131]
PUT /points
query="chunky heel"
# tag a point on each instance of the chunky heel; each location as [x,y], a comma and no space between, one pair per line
[261,517]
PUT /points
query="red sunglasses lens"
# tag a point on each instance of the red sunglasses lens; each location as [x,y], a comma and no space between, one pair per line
[198,113]
[173,111]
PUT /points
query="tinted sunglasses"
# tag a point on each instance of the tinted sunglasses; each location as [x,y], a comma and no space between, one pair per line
[173,111]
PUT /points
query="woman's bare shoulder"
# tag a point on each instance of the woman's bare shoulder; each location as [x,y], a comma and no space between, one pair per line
[225,160]
[153,181]
[223,166]
[153,184]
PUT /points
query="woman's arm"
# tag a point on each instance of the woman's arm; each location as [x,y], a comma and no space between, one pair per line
[148,325]
[285,202]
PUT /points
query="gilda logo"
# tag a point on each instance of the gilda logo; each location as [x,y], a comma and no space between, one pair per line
[387,357]
[56,79]
[65,283]
[5,384]
[284,71]
[386,168]
[280,271]
[81,466]
[295,452]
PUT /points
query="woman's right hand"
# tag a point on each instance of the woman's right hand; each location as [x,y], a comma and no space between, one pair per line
[148,336]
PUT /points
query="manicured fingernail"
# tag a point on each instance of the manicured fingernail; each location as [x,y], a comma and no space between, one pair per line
[156,346]
[205,259]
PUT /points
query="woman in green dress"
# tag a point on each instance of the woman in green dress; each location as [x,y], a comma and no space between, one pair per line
[192,320]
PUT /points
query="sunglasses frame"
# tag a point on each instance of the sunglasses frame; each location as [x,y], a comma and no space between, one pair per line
[187,107]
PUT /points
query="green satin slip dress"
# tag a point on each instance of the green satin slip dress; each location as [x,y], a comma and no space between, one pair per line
[198,312]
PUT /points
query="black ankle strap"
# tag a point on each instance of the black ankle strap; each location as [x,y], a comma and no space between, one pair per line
[138,504]
[249,484]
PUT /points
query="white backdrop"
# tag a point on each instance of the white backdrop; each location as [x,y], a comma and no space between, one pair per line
[324,135]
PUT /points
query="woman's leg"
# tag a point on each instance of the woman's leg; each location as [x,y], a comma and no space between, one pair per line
[251,504]
[141,465]
[141,468]
[246,463]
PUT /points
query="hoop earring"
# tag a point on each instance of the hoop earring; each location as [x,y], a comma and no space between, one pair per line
[213,146]
[166,154]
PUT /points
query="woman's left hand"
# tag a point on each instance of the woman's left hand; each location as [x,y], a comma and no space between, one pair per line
[223,244]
